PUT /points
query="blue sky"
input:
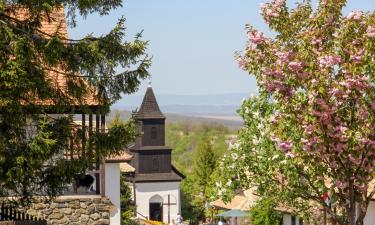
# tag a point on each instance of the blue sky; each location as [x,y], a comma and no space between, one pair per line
[192,41]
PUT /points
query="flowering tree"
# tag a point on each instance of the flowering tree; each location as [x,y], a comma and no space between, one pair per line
[316,81]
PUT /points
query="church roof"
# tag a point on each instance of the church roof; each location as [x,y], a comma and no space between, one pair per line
[148,148]
[150,108]
[174,175]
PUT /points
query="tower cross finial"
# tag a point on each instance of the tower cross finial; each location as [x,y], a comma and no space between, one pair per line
[149,84]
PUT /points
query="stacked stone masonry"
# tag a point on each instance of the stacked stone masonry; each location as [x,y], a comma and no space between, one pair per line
[73,210]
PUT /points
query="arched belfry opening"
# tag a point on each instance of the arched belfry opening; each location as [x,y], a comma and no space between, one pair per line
[156,208]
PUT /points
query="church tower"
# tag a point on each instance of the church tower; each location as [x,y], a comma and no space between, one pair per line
[156,181]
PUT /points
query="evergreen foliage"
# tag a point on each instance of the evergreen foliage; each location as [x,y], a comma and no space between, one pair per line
[204,163]
[32,141]
[127,206]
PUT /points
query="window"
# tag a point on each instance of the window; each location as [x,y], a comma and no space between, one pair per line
[155,164]
[153,133]
[293,220]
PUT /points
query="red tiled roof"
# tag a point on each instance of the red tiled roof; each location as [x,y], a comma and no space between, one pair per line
[51,24]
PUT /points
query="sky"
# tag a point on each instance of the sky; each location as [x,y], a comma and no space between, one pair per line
[192,42]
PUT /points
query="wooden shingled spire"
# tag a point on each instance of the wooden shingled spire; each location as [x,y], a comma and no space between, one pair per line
[150,108]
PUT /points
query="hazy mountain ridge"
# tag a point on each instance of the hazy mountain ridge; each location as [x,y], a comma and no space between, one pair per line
[231,122]
[171,99]
[210,104]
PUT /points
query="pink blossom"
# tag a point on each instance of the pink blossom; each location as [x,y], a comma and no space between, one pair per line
[273,119]
[363,113]
[341,185]
[370,31]
[334,165]
[303,75]
[285,146]
[256,37]
[335,92]
[271,9]
[355,15]
[316,41]
[373,106]
[358,56]
[340,147]
[329,61]
[308,144]
[283,56]
[262,6]
[354,160]
[279,2]
[342,129]
[320,102]
[241,62]
[290,155]
[295,66]
[325,118]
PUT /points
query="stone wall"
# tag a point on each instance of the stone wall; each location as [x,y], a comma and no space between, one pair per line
[73,210]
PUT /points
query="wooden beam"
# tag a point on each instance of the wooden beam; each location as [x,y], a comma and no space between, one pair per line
[97,166]
[90,152]
[102,160]
[72,146]
[83,134]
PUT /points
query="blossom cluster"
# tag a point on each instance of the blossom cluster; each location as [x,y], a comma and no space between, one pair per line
[256,37]
[271,10]
[370,31]
[355,15]
[329,61]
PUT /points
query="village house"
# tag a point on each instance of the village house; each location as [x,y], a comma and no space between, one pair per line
[244,200]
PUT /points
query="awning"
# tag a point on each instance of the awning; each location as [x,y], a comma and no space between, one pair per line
[234,213]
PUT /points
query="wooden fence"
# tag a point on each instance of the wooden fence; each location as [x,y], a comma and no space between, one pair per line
[11,216]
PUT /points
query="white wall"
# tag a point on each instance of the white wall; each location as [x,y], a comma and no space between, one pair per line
[145,191]
[287,219]
[112,190]
[370,215]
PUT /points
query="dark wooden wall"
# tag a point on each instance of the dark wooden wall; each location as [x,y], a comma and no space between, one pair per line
[153,132]
[155,161]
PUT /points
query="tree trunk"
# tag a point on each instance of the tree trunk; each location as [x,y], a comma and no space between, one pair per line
[352,205]
[362,210]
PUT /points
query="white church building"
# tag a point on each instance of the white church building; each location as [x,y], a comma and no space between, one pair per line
[155,182]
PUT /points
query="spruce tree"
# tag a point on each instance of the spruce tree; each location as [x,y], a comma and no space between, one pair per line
[31,141]
[204,165]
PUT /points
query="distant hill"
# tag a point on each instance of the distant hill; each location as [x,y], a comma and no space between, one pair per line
[232,122]
[196,109]
[170,99]
[212,104]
